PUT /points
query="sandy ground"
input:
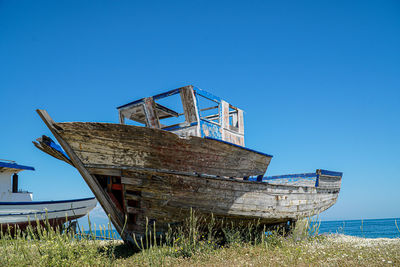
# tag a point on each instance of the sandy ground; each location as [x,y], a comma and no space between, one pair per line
[363,242]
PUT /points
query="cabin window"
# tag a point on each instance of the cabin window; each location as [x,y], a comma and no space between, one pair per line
[209,110]
[133,116]
[170,111]
[135,123]
[233,118]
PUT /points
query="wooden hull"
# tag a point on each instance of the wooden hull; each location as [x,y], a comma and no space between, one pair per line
[138,173]
[106,145]
[167,198]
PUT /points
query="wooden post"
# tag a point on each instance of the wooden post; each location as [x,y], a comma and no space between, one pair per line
[241,125]
[152,119]
[240,121]
[121,117]
[225,120]
[225,114]
[189,104]
[94,185]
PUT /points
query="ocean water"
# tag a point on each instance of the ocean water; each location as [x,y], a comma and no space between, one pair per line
[371,228]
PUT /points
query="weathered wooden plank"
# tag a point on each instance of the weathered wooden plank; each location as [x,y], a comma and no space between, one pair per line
[225,114]
[131,181]
[133,210]
[44,143]
[127,145]
[152,119]
[164,112]
[132,197]
[103,171]
[326,181]
[166,198]
[241,123]
[121,117]
[189,104]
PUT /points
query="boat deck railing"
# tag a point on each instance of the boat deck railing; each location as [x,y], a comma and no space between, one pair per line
[301,179]
[7,160]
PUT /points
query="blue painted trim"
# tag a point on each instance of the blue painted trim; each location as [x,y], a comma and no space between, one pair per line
[45,202]
[168,93]
[300,175]
[15,166]
[174,127]
[229,143]
[211,122]
[131,103]
[173,92]
[55,146]
[331,173]
[42,212]
[158,96]
[206,94]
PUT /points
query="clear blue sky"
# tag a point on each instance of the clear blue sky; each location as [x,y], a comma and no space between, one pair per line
[319,81]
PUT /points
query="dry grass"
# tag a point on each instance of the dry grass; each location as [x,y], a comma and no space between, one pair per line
[197,244]
[334,250]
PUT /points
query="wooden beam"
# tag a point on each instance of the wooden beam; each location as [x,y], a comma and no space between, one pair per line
[151,114]
[104,171]
[131,181]
[170,112]
[133,210]
[121,117]
[225,114]
[132,197]
[241,123]
[189,104]
[94,185]
[213,107]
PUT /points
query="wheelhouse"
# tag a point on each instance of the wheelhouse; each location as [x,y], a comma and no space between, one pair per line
[187,111]
[9,190]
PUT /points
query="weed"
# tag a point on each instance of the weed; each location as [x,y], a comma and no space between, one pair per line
[199,240]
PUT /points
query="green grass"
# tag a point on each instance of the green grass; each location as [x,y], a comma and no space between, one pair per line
[199,242]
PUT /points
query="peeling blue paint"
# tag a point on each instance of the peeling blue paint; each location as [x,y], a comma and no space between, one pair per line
[331,173]
[293,178]
[206,94]
[168,93]
[178,127]
[13,165]
[210,130]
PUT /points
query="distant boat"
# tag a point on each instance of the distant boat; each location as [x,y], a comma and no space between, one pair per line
[18,210]
[163,169]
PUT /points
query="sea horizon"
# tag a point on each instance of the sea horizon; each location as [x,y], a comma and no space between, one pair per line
[336,220]
[367,228]
[364,228]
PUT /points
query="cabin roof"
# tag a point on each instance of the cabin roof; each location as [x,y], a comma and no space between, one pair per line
[173,92]
[14,166]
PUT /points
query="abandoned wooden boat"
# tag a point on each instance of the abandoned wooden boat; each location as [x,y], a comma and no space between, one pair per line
[17,209]
[174,160]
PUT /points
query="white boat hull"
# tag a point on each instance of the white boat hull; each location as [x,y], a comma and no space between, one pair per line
[22,214]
